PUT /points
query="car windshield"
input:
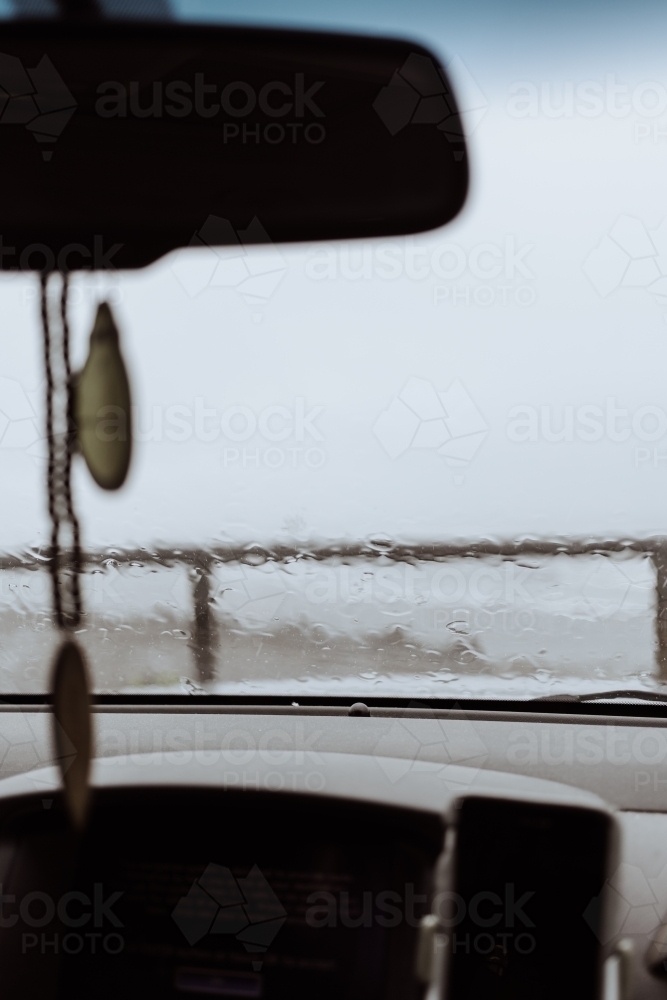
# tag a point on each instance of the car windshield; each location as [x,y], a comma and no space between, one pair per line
[432,466]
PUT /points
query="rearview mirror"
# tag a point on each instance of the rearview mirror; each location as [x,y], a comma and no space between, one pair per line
[121,142]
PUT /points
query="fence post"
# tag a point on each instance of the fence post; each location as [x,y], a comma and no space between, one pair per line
[659,556]
[203,626]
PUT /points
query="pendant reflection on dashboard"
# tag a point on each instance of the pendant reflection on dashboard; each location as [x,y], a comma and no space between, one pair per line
[72,730]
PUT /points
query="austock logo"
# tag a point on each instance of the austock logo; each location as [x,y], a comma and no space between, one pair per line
[236,100]
[36,98]
[251,595]
[64,924]
[420,417]
[450,748]
[630,256]
[417,94]
[219,903]
[635,904]
[230,263]
[19,426]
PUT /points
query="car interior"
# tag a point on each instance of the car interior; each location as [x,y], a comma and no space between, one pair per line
[333,584]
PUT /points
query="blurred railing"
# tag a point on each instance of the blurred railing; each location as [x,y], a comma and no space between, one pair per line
[201,562]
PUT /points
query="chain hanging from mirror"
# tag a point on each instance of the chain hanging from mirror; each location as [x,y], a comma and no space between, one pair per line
[65,555]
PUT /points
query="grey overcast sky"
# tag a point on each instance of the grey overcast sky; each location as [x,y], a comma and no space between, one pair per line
[283,392]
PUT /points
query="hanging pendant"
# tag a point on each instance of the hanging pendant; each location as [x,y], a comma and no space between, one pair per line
[72,730]
[102,406]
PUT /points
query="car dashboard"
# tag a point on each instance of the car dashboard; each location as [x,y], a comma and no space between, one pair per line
[291,851]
